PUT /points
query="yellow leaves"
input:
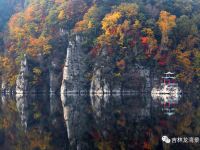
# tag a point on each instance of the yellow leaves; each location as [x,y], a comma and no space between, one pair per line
[38,139]
[6,63]
[90,25]
[103,145]
[110,21]
[47,49]
[104,40]
[183,57]
[61,15]
[90,19]
[186,65]
[137,24]
[148,31]
[166,21]
[37,71]
[59,1]
[118,24]
[12,79]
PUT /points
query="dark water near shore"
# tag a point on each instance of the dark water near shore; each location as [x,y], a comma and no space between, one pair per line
[42,122]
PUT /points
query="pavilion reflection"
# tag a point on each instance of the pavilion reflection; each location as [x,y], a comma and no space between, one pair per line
[168,102]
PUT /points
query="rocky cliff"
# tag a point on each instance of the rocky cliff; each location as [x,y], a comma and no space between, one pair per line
[74,68]
[22,80]
[99,85]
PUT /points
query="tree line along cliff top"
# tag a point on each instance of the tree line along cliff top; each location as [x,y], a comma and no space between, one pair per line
[160,35]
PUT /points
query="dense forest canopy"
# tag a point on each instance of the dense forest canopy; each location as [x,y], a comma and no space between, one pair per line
[160,34]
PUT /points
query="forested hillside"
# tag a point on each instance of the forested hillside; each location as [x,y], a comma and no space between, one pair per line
[117,36]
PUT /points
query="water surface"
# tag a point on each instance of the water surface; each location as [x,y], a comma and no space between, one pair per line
[45,122]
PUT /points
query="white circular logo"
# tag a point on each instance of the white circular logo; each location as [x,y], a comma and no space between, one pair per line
[166,139]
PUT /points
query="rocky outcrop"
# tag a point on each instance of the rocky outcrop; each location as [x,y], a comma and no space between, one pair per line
[145,73]
[55,75]
[73,71]
[22,81]
[57,60]
[99,86]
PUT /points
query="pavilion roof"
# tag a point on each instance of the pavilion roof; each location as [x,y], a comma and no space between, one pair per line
[169,73]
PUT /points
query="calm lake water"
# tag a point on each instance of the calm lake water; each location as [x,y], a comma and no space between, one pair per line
[41,122]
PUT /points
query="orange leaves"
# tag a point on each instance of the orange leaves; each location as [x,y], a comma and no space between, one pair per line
[26,31]
[144,40]
[5,63]
[147,146]
[14,24]
[166,21]
[149,43]
[8,68]
[39,45]
[29,13]
[81,26]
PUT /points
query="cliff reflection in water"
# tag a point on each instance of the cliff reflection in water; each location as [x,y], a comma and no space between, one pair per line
[94,123]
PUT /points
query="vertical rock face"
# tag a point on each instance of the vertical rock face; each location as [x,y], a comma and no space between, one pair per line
[144,72]
[57,59]
[22,81]
[55,75]
[73,71]
[99,86]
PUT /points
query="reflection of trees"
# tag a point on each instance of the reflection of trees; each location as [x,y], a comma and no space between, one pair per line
[41,130]
[58,128]
[184,123]
[102,123]
[187,122]
[120,122]
[8,121]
